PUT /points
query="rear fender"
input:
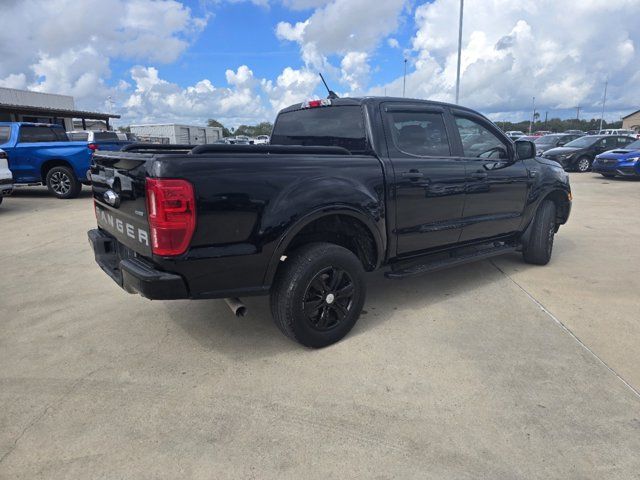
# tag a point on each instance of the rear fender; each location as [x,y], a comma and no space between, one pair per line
[338,209]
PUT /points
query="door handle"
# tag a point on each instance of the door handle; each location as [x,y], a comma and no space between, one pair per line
[412,174]
[479,175]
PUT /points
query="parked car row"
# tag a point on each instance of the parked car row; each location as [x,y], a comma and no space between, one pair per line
[244,140]
[580,153]
[611,152]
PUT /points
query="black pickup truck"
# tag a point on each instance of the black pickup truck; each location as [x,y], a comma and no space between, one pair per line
[346,186]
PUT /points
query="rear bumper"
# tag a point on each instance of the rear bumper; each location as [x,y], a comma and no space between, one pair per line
[133,273]
[6,186]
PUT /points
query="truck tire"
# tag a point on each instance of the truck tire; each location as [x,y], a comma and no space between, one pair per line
[583,164]
[537,249]
[318,294]
[62,183]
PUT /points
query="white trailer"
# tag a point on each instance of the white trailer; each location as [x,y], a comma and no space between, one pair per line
[177,133]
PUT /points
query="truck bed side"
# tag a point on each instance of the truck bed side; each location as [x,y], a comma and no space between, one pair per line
[249,207]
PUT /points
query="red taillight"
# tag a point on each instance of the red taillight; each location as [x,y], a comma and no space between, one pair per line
[93,146]
[171,207]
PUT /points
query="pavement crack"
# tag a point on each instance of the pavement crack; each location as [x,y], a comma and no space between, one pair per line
[46,410]
[566,329]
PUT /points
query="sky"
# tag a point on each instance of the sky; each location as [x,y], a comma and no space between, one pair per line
[240,61]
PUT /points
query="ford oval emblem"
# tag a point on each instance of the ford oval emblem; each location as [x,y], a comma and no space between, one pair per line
[112,198]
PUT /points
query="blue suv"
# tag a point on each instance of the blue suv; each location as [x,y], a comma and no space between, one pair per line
[622,161]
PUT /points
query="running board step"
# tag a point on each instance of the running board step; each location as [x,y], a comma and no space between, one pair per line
[428,267]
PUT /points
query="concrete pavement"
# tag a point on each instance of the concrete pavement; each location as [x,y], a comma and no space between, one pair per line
[460,374]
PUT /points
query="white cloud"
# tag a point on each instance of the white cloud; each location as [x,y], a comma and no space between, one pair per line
[291,86]
[511,52]
[559,52]
[155,99]
[346,28]
[15,80]
[355,70]
[70,43]
[76,72]
[293,33]
[351,25]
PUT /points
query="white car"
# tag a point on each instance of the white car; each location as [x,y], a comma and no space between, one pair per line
[6,178]
[619,131]
[262,140]
[513,134]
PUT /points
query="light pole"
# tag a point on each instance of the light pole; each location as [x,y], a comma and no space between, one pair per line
[404,79]
[604,100]
[459,51]
[533,114]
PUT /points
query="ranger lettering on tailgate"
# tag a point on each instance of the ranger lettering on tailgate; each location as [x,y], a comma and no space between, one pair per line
[107,219]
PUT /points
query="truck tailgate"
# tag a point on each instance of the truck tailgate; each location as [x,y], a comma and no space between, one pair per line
[118,183]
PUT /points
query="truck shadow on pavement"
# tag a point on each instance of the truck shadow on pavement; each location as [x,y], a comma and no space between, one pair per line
[214,327]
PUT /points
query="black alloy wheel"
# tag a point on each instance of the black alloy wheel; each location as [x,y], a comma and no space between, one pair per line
[318,294]
[328,298]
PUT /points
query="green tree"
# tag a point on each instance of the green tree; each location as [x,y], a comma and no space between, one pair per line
[214,123]
[263,128]
[126,129]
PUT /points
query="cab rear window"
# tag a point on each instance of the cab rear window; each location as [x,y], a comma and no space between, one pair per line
[335,126]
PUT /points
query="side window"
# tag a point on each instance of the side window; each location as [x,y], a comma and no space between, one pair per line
[61,135]
[479,142]
[5,134]
[609,143]
[624,141]
[36,134]
[422,134]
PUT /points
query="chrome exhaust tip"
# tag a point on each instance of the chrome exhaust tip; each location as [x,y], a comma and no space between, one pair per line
[236,306]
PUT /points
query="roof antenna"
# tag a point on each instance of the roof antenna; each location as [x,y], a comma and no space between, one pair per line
[332,94]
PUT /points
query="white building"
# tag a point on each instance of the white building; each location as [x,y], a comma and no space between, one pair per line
[176,133]
[27,106]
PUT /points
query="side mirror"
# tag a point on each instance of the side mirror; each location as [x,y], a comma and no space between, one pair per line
[562,144]
[525,149]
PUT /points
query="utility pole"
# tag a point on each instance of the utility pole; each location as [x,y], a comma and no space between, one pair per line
[577,116]
[533,114]
[459,51]
[404,79]
[546,115]
[604,100]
